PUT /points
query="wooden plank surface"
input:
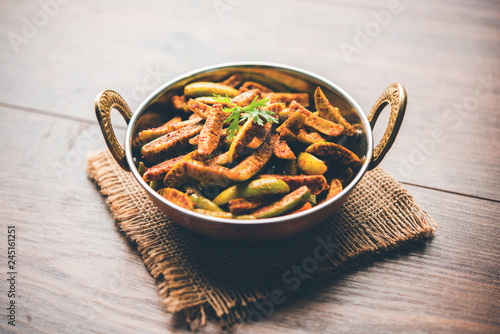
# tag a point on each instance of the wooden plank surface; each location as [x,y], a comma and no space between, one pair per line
[78,274]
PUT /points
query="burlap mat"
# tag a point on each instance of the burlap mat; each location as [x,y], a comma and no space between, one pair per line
[230,281]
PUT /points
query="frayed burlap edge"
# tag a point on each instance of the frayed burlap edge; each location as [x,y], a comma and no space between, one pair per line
[175,280]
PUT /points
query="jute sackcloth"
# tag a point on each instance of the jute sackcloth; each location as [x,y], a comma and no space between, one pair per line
[206,277]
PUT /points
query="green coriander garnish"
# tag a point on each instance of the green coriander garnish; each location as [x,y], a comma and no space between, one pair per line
[251,111]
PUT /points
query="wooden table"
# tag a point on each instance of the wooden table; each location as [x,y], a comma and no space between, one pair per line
[77,274]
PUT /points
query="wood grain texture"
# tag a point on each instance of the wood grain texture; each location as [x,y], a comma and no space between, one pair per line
[78,274]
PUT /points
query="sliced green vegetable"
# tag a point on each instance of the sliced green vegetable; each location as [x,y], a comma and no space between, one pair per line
[208,89]
[287,203]
[311,165]
[199,201]
[141,168]
[251,189]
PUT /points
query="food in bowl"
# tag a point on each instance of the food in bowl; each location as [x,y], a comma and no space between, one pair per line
[240,150]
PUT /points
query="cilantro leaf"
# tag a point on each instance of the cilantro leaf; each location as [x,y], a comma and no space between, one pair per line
[252,111]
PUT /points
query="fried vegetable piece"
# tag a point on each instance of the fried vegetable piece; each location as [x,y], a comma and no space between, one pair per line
[250,189]
[315,183]
[223,214]
[304,207]
[169,144]
[209,89]
[327,111]
[275,107]
[252,164]
[177,197]
[220,160]
[175,123]
[287,98]
[281,148]
[333,152]
[210,133]
[239,205]
[309,137]
[243,138]
[158,172]
[254,85]
[295,120]
[303,116]
[261,136]
[287,203]
[322,125]
[233,81]
[199,108]
[311,165]
[194,141]
[177,175]
[335,189]
[203,172]
[200,201]
[288,135]
[245,98]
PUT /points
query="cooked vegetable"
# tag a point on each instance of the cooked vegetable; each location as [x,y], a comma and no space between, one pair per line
[256,152]
[177,197]
[327,111]
[245,98]
[287,203]
[158,172]
[211,131]
[333,152]
[233,81]
[199,108]
[141,168]
[252,164]
[244,136]
[315,183]
[208,89]
[203,172]
[148,135]
[255,85]
[200,201]
[304,207]
[311,165]
[261,136]
[254,188]
[287,98]
[239,205]
[281,148]
[335,189]
[169,144]
[309,137]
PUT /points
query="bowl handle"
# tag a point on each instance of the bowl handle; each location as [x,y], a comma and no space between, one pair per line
[395,95]
[104,103]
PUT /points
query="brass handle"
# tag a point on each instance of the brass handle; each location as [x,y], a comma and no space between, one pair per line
[395,95]
[104,103]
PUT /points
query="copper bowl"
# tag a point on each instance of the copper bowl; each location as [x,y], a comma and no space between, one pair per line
[152,112]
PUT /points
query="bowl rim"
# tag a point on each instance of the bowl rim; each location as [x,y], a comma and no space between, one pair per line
[274,220]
